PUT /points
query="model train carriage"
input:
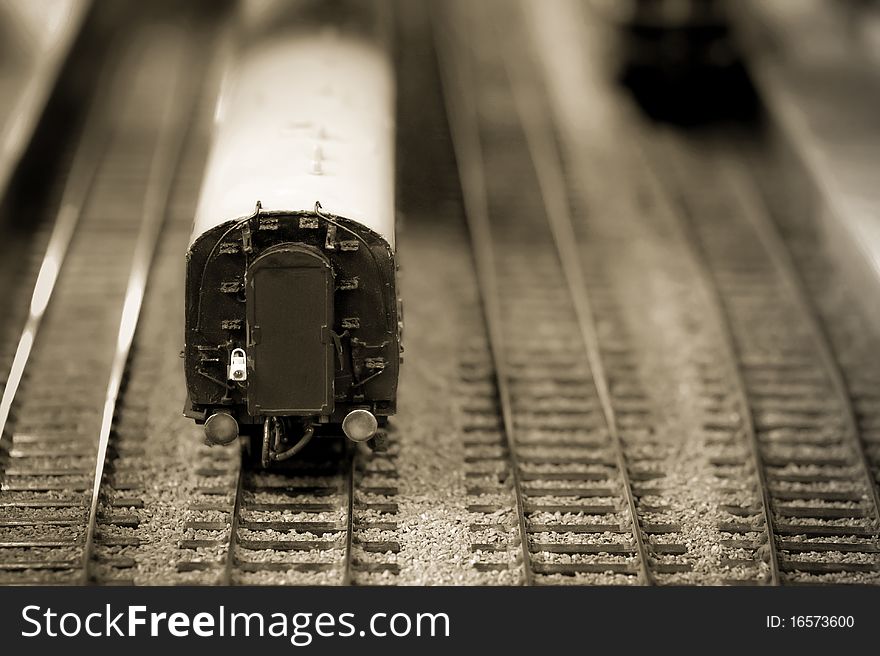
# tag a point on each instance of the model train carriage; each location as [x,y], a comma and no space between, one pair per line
[291,309]
[291,315]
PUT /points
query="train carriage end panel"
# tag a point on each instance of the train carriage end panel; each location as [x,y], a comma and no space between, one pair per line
[360,350]
[289,295]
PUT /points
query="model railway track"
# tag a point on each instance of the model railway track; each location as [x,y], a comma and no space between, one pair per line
[374,541]
[850,335]
[571,404]
[279,526]
[61,397]
[794,480]
[818,475]
[317,520]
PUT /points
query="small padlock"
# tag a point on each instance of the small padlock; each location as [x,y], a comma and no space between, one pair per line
[237,369]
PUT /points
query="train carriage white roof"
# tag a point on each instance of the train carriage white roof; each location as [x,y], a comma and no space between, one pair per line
[305,117]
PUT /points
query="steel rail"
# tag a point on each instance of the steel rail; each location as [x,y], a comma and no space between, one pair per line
[710,285]
[84,168]
[457,81]
[230,561]
[541,140]
[349,525]
[163,167]
[781,258]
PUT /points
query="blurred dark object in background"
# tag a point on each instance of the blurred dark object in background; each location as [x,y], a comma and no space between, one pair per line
[681,62]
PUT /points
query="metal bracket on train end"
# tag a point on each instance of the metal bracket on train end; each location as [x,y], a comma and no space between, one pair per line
[337,343]
[237,369]
[246,233]
[330,241]
[246,240]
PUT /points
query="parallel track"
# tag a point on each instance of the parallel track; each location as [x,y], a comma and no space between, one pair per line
[746,425]
[45,484]
[778,381]
[525,255]
[817,480]
[540,136]
[791,470]
[458,81]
